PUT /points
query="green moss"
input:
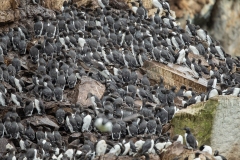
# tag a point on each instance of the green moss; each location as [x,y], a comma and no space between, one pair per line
[199,120]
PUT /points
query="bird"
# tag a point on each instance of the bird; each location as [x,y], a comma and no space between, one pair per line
[116,130]
[29,132]
[218,156]
[28,110]
[178,138]
[197,156]
[112,46]
[71,122]
[60,115]
[206,148]
[190,139]
[87,120]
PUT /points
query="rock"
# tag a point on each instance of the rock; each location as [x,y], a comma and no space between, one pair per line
[212,124]
[53,4]
[191,8]
[34,10]
[9,11]
[154,157]
[108,157]
[89,3]
[74,137]
[215,16]
[5,144]
[5,5]
[118,4]
[42,121]
[89,85]
[92,137]
[130,118]
[177,150]
[226,18]
[174,75]
[8,16]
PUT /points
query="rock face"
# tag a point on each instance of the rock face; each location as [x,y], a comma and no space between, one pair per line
[177,151]
[9,11]
[88,3]
[89,85]
[220,18]
[192,8]
[214,117]
[174,75]
[53,4]
[226,25]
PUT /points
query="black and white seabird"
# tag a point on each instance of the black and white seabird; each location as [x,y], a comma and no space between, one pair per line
[151,125]
[40,134]
[71,123]
[16,98]
[132,129]
[29,132]
[190,139]
[58,93]
[60,115]
[206,148]
[87,120]
[28,109]
[116,130]
[217,156]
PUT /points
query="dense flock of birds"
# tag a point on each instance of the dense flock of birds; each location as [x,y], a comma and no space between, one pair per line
[112,44]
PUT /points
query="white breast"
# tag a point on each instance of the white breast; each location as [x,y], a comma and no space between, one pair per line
[127,148]
[157,4]
[220,52]
[174,42]
[160,146]
[201,34]
[69,125]
[213,93]
[116,150]
[2,100]
[17,83]
[134,9]
[36,102]
[180,139]
[70,153]
[236,91]
[194,50]
[14,99]
[139,144]
[101,147]
[207,149]
[86,123]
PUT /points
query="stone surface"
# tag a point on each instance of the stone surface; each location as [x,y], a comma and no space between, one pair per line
[191,8]
[177,150]
[3,142]
[174,75]
[226,25]
[8,4]
[88,3]
[42,121]
[89,85]
[53,4]
[220,18]
[214,123]
[9,11]
[91,136]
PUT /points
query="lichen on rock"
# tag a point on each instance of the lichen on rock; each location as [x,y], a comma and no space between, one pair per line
[212,123]
[199,118]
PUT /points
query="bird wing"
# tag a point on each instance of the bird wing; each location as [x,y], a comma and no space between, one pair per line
[191,141]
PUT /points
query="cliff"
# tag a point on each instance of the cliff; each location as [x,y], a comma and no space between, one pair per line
[213,123]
